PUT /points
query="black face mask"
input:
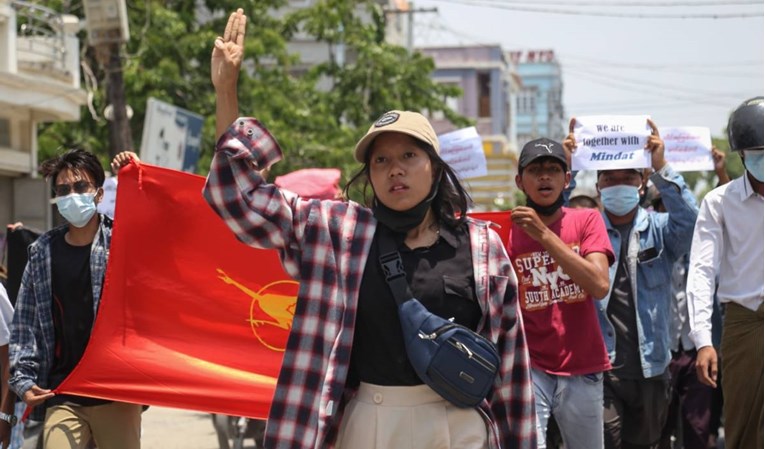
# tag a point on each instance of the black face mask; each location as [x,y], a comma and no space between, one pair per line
[545,210]
[403,221]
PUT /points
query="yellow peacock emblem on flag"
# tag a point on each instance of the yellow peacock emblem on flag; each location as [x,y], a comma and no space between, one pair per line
[269,307]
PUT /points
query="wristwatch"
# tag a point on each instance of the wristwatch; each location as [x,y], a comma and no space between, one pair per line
[10,419]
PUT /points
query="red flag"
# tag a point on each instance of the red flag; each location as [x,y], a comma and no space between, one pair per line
[320,183]
[501,218]
[189,316]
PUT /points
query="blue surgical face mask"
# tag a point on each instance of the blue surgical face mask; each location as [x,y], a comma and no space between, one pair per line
[620,199]
[77,208]
[753,164]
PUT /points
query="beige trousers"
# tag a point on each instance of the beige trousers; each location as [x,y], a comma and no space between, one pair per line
[116,425]
[742,371]
[409,418]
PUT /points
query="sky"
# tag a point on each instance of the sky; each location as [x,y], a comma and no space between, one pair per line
[686,71]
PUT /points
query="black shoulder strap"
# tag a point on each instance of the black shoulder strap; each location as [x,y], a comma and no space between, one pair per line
[393,266]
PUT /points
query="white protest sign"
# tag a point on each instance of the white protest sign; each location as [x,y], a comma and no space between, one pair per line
[109,200]
[172,136]
[610,142]
[463,151]
[688,148]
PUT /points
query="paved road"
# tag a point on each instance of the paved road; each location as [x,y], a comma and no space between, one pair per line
[167,428]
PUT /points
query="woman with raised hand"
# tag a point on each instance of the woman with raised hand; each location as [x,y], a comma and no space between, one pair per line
[346,380]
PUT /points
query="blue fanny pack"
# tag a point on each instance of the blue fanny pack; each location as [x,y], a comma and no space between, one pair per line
[453,360]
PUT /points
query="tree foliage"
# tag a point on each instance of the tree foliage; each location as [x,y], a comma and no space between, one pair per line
[168,56]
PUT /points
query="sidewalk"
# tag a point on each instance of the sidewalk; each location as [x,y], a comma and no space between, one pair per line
[168,428]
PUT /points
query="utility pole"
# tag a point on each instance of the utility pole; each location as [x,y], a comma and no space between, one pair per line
[410,11]
[120,136]
[107,24]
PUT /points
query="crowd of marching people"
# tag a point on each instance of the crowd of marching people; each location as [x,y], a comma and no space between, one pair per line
[633,319]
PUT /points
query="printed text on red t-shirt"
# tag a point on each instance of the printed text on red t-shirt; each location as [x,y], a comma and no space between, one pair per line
[542,282]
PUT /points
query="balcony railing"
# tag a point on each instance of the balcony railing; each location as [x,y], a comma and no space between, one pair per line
[42,42]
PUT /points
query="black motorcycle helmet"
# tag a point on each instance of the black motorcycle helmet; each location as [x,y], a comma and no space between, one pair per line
[745,126]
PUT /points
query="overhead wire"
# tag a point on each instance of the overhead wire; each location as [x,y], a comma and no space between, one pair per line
[498,4]
[565,58]
[641,82]
[705,65]
[648,89]
[632,4]
[681,96]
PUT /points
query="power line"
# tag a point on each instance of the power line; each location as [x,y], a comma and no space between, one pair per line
[619,4]
[459,34]
[703,69]
[644,88]
[641,82]
[410,21]
[652,66]
[685,69]
[635,104]
[487,4]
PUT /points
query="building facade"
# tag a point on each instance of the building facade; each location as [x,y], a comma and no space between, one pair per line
[489,87]
[540,100]
[39,82]
[312,52]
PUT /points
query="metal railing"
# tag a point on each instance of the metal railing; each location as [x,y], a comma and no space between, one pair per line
[41,42]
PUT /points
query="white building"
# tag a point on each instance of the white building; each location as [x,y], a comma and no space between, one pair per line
[312,52]
[39,82]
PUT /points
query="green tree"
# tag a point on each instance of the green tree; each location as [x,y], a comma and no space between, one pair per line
[168,54]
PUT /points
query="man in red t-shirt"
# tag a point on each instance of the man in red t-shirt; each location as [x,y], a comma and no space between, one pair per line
[561,257]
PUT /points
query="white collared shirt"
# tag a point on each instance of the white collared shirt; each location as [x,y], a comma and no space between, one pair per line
[727,240]
[6,316]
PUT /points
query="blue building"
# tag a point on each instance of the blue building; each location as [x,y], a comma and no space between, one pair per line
[539,103]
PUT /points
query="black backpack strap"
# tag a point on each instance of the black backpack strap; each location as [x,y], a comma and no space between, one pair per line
[393,266]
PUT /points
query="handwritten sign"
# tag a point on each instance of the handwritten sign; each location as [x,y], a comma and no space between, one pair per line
[463,151]
[688,148]
[609,142]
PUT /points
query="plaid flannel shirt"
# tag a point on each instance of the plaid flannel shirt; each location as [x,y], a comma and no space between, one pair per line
[32,333]
[325,244]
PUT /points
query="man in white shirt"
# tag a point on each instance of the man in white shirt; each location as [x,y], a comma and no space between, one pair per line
[728,239]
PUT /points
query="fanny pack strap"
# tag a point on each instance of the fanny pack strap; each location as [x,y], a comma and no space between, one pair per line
[393,266]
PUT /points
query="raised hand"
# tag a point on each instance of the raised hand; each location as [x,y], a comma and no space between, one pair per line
[655,145]
[228,52]
[122,159]
[569,143]
[719,163]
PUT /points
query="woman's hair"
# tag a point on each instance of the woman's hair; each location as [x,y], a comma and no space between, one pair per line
[452,200]
[77,160]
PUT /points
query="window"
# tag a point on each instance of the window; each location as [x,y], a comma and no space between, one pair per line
[5,133]
[527,101]
[484,95]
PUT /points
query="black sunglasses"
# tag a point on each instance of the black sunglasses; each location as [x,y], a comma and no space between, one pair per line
[77,187]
